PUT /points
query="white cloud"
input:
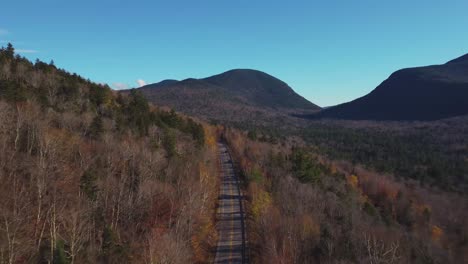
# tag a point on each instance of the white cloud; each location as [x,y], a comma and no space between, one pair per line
[141,82]
[25,51]
[3,31]
[120,86]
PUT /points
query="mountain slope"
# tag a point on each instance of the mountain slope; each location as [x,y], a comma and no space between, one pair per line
[260,89]
[74,152]
[240,96]
[422,93]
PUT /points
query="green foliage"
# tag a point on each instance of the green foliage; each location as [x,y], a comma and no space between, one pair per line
[255,176]
[252,135]
[60,256]
[370,209]
[44,255]
[98,94]
[427,215]
[13,91]
[68,89]
[416,154]
[96,127]
[109,244]
[305,167]
[169,142]
[277,160]
[138,113]
[171,119]
[64,91]
[197,132]
[88,184]
[9,51]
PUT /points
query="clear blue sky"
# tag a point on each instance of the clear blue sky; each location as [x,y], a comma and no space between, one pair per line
[328,51]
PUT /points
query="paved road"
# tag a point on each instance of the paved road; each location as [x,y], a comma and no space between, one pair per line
[231,246]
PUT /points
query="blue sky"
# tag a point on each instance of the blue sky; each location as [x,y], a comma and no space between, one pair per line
[328,51]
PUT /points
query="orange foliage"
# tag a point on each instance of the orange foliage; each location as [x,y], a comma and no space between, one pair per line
[205,235]
[436,233]
[353,181]
[310,228]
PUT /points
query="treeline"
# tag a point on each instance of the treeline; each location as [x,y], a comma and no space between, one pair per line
[92,176]
[417,154]
[55,88]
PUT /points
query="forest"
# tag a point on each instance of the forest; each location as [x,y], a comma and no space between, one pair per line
[307,208]
[433,154]
[91,176]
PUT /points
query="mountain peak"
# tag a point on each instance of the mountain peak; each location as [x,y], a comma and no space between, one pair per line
[244,76]
[421,93]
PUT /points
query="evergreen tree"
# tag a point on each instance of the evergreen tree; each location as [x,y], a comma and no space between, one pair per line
[96,128]
[88,184]
[169,142]
[10,51]
[108,244]
[138,112]
[60,256]
[252,135]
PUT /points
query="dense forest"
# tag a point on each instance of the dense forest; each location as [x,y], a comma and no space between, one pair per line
[91,176]
[433,154]
[306,208]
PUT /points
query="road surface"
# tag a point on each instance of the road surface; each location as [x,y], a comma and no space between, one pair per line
[230,224]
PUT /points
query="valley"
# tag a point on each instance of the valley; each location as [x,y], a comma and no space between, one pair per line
[233,168]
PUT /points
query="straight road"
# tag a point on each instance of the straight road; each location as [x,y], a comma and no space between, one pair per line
[230,216]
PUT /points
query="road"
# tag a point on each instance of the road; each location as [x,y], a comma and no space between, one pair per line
[230,222]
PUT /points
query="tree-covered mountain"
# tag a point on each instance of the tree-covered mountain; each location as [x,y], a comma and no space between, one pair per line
[234,96]
[421,93]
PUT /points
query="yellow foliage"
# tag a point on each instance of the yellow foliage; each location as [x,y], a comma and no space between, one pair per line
[204,175]
[260,203]
[436,233]
[353,180]
[204,235]
[210,137]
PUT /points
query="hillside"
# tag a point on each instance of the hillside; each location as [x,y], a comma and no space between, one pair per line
[236,96]
[91,176]
[422,93]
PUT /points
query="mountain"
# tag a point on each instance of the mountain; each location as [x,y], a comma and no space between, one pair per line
[421,93]
[237,96]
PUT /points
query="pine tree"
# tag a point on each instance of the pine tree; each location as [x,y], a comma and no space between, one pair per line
[88,184]
[60,256]
[96,128]
[169,142]
[10,51]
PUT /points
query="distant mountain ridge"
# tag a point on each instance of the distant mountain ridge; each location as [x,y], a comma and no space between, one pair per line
[240,95]
[256,86]
[420,93]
